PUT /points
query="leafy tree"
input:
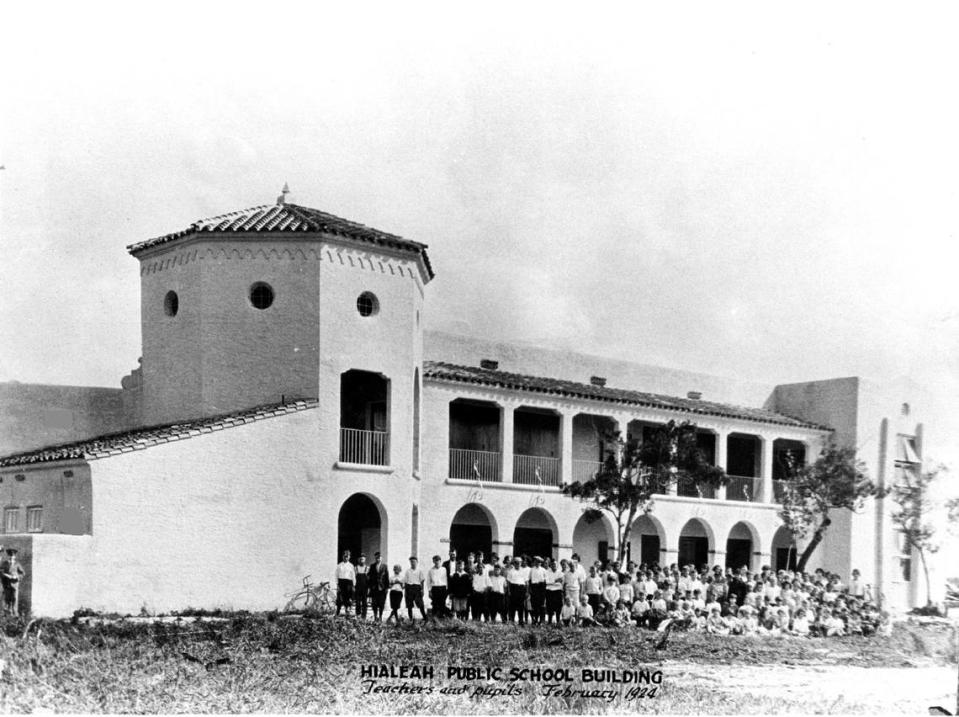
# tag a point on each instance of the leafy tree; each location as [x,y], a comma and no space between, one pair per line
[912,514]
[836,481]
[636,471]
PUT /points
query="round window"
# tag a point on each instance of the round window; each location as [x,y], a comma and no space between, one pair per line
[261,295]
[171,303]
[367,304]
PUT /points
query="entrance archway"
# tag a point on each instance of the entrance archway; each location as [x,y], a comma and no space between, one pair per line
[740,546]
[694,543]
[361,527]
[472,530]
[535,533]
[648,535]
[785,554]
[593,539]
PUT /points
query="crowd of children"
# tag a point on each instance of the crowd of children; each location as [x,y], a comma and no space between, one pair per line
[720,601]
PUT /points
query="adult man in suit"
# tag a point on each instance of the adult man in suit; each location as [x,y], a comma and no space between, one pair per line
[379,584]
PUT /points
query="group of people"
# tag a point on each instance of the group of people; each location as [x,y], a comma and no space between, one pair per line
[536,590]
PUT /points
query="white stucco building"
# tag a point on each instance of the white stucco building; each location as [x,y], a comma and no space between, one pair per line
[290,403]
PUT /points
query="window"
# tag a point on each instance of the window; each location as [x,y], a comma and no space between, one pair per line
[11,520]
[261,295]
[367,304]
[171,303]
[34,519]
[907,452]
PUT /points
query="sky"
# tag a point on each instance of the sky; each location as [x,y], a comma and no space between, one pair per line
[734,189]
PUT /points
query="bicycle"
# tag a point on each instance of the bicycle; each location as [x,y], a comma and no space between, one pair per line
[311,597]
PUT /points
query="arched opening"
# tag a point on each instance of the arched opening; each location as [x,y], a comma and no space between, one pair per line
[534,533]
[647,533]
[472,530]
[593,539]
[360,527]
[694,544]
[364,418]
[740,546]
[785,554]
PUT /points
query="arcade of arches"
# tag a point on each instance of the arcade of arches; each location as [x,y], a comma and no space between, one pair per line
[473,528]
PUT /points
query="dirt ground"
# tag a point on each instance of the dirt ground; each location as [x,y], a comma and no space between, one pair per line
[832,689]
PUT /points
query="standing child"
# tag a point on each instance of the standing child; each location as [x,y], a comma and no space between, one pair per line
[396,594]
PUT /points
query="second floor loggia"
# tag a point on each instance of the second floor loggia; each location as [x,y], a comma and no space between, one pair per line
[543,447]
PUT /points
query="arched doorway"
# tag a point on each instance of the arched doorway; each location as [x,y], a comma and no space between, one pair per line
[648,535]
[534,534]
[472,530]
[360,528]
[740,546]
[694,542]
[785,554]
[593,539]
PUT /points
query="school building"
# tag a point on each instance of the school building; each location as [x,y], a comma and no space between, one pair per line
[289,403]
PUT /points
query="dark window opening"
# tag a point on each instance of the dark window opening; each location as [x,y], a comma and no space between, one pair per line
[171,303]
[261,295]
[367,304]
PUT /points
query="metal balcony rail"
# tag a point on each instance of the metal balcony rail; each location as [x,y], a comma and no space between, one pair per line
[536,470]
[687,487]
[585,470]
[779,490]
[371,448]
[476,465]
[743,489]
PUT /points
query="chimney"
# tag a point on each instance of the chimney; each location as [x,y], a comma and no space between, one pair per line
[695,395]
[489,363]
[597,380]
[282,198]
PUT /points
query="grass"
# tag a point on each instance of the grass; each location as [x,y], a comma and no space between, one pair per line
[266,663]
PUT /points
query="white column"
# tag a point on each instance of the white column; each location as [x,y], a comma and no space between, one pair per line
[507,442]
[721,438]
[566,447]
[767,472]
[668,555]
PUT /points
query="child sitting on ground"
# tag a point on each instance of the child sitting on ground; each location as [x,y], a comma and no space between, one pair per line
[568,612]
[584,613]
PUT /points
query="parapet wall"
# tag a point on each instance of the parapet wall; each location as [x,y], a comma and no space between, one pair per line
[36,415]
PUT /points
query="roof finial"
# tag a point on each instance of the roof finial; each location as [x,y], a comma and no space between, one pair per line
[282,198]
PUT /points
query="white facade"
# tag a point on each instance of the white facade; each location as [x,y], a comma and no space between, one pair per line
[376,448]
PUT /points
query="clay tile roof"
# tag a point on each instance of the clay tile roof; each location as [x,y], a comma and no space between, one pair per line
[440,371]
[141,438]
[287,218]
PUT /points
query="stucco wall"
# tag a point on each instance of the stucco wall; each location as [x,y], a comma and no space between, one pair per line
[229,519]
[62,490]
[36,415]
[573,366]
[220,353]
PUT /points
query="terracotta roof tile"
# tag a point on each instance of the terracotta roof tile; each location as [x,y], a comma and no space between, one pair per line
[287,218]
[440,371]
[141,438]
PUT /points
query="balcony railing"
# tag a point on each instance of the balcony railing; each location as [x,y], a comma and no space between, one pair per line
[779,490]
[743,489]
[476,465]
[536,470]
[371,448]
[585,470]
[687,487]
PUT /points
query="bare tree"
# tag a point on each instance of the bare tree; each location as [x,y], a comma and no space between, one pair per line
[911,517]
